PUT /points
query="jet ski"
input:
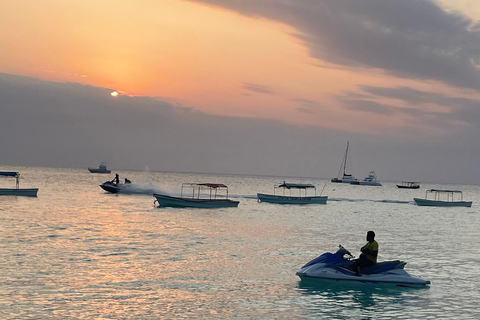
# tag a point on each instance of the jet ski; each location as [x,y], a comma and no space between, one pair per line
[335,266]
[111,187]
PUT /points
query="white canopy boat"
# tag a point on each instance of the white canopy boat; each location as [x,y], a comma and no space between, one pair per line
[345,177]
[302,198]
[203,195]
[102,168]
[370,180]
[30,192]
[443,198]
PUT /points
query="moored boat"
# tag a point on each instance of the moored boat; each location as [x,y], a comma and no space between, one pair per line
[102,168]
[344,177]
[292,199]
[409,185]
[17,191]
[201,195]
[443,198]
[370,180]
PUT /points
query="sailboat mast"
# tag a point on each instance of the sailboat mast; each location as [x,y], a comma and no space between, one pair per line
[345,158]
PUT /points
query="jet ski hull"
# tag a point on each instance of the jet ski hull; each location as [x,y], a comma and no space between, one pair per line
[334,267]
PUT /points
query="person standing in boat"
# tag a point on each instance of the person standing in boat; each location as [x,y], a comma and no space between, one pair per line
[369,253]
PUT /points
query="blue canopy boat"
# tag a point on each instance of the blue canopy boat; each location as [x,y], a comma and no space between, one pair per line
[31,192]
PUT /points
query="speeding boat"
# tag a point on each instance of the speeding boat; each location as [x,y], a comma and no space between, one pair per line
[335,266]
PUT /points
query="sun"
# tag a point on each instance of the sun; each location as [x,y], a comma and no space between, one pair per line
[114,93]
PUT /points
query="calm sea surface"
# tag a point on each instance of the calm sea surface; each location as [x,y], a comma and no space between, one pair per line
[76,252]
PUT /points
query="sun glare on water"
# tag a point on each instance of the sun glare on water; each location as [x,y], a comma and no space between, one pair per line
[114,93]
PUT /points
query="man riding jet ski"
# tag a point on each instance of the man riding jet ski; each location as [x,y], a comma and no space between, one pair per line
[335,266]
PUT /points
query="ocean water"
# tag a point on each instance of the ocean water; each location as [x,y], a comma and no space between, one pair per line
[76,252]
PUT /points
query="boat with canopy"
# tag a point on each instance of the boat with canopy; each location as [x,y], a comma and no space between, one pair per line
[17,191]
[198,195]
[284,198]
[443,198]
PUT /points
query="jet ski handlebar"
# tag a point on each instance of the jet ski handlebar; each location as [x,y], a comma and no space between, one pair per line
[342,251]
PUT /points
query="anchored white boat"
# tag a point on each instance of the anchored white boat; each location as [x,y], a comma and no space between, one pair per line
[201,195]
[17,191]
[345,177]
[102,168]
[302,197]
[443,198]
[370,180]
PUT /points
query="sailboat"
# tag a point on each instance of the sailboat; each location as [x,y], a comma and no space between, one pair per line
[345,178]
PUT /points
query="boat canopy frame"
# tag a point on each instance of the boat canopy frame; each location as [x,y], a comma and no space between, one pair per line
[437,193]
[289,186]
[11,174]
[197,188]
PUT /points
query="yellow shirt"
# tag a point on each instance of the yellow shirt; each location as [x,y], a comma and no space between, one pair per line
[374,247]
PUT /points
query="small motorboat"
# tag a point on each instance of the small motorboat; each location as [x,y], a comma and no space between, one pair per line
[335,266]
[102,168]
[409,185]
[17,191]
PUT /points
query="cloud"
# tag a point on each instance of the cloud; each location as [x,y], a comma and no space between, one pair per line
[308,106]
[407,38]
[257,88]
[76,126]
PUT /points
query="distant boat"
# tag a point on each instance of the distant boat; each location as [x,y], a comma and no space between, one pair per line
[291,199]
[102,168]
[342,176]
[31,192]
[409,185]
[370,180]
[201,195]
[447,197]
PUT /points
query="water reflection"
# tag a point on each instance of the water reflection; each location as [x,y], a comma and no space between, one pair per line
[335,298]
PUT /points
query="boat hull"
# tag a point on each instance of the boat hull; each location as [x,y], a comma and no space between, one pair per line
[435,203]
[368,183]
[344,180]
[110,187]
[291,200]
[177,202]
[405,187]
[31,192]
[397,277]
[96,170]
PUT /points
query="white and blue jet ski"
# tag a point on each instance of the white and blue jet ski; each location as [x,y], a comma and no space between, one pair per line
[335,266]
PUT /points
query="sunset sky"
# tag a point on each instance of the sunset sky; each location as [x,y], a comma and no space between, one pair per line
[387,72]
